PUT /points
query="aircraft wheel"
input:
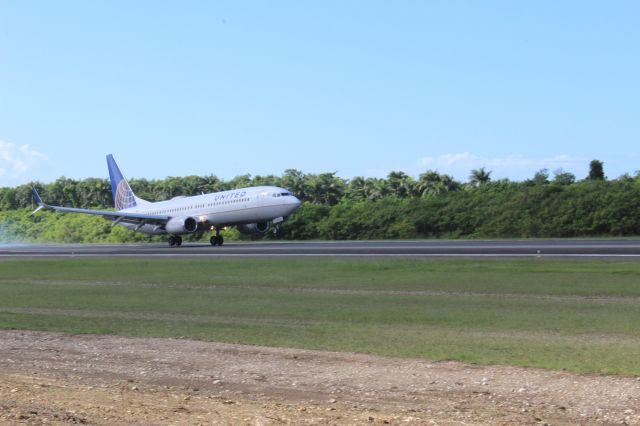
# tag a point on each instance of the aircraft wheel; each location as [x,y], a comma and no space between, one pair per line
[216,240]
[178,241]
[172,241]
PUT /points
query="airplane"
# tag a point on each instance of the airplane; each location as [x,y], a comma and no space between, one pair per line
[252,210]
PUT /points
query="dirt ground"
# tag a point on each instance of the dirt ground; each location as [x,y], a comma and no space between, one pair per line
[58,378]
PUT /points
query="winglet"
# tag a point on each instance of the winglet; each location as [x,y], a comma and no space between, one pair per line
[36,196]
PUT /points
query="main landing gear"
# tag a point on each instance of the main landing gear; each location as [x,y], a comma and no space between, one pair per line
[217,239]
[175,241]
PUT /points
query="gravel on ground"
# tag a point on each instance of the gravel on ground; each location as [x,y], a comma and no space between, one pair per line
[59,378]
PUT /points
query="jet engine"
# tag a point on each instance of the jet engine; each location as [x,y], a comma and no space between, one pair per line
[254,228]
[181,225]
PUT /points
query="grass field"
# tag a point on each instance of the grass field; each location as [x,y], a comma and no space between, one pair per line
[560,314]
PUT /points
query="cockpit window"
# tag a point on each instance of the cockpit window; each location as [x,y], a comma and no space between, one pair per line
[285,194]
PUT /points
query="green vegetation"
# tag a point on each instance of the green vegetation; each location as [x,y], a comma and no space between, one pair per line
[432,206]
[575,315]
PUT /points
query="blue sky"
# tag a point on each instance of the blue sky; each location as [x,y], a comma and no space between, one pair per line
[358,87]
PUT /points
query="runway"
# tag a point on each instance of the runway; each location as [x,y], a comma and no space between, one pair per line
[418,248]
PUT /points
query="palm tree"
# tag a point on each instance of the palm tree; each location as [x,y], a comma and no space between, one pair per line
[479,176]
[294,181]
[209,184]
[400,184]
[429,183]
[433,183]
[376,188]
[449,183]
[325,188]
[356,188]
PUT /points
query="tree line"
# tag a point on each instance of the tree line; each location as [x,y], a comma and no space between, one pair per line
[434,205]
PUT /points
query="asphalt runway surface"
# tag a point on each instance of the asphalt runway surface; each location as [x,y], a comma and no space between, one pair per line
[626,248]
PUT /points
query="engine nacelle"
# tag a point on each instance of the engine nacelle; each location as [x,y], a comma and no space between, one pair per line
[254,228]
[181,225]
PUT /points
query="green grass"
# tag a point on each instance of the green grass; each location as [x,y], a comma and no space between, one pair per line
[576,315]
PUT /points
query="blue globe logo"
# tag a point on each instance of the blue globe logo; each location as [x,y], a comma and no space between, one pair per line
[124,196]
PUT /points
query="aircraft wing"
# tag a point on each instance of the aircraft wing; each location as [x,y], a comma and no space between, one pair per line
[136,218]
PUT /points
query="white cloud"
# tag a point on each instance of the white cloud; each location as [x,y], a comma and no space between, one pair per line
[16,162]
[515,167]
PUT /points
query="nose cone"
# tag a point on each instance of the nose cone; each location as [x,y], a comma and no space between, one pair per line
[295,203]
[292,205]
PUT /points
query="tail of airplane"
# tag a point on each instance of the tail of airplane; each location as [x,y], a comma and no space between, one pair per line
[123,196]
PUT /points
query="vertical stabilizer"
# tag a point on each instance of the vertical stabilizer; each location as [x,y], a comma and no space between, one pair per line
[123,196]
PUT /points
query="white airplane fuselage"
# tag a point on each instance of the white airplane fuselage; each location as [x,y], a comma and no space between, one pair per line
[219,209]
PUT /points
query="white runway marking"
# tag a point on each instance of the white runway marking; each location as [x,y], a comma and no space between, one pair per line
[485,255]
[588,249]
